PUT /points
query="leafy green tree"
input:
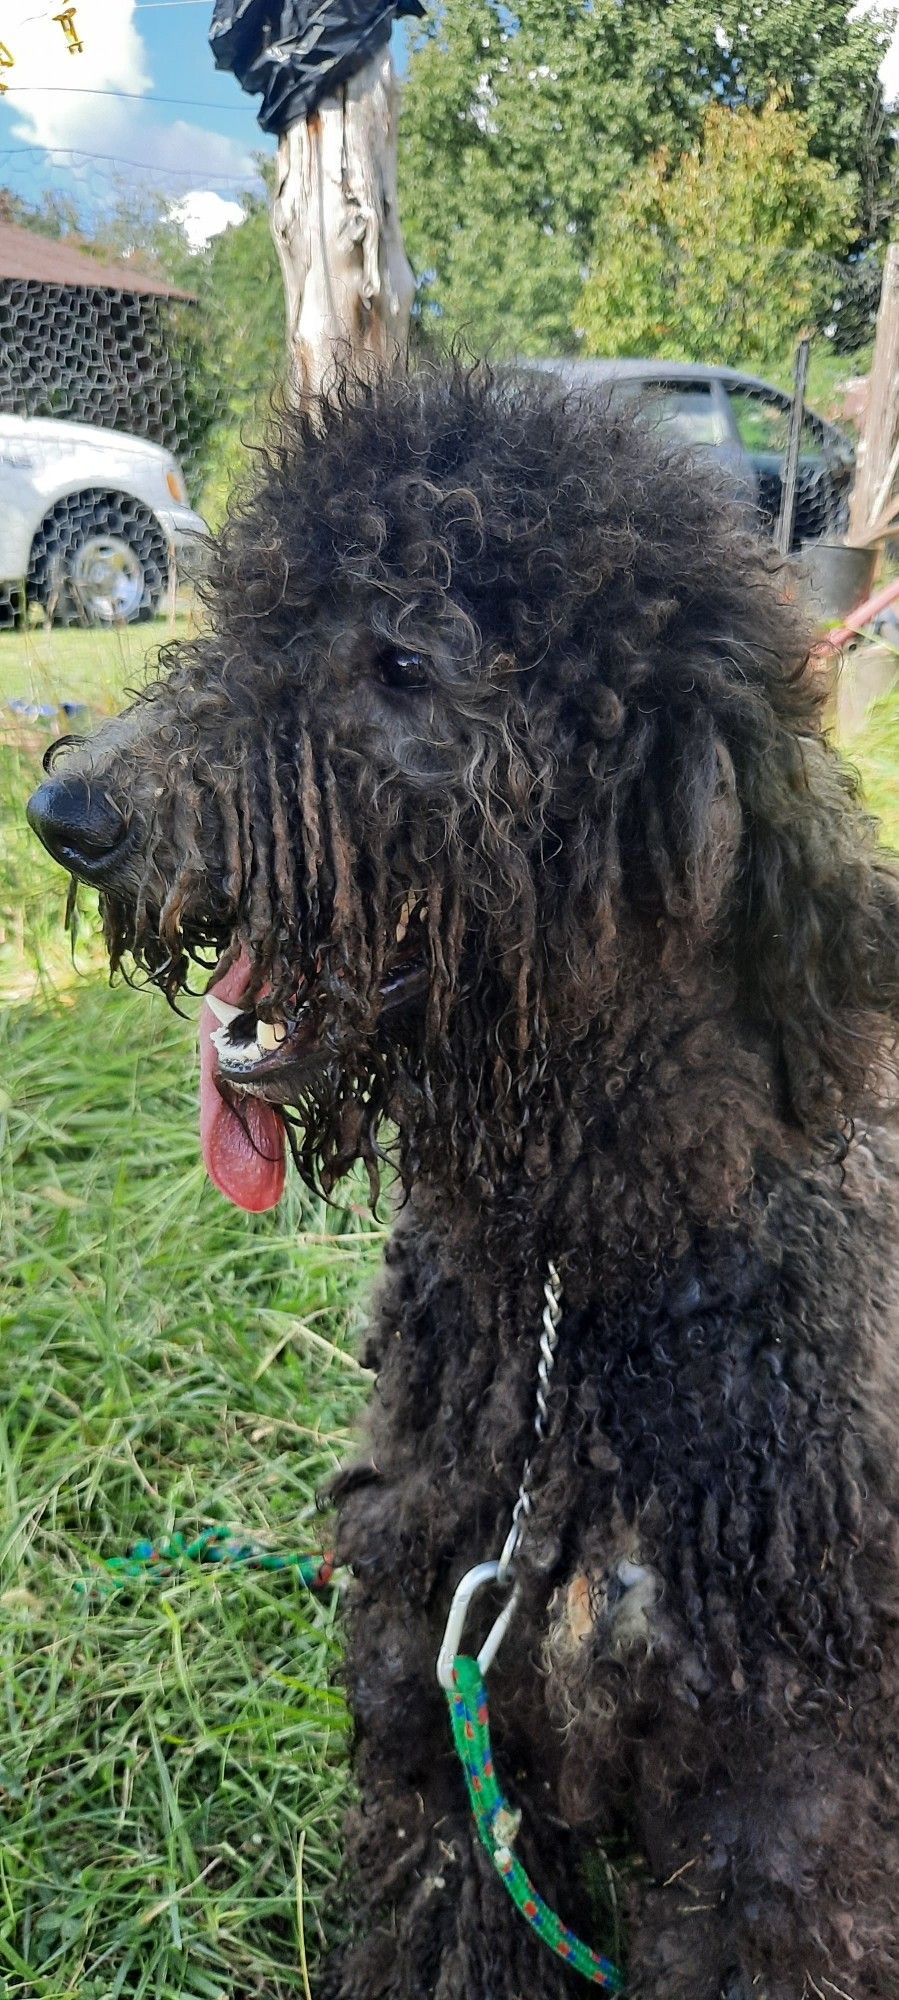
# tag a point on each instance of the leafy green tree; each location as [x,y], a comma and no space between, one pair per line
[723,253]
[229,345]
[241,354]
[517,129]
[55,214]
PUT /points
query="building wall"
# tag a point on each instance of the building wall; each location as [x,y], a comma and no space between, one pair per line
[97,356]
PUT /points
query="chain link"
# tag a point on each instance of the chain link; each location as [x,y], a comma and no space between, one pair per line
[549,1341]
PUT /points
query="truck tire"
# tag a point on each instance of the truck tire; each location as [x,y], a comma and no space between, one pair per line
[99,559]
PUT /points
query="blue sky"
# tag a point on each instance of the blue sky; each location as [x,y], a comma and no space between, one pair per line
[83,119]
[88,119]
[181,64]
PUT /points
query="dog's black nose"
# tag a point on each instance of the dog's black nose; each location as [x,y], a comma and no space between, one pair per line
[76,823]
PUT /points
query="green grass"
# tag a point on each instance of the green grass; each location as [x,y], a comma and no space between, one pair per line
[164,1362]
[875,754]
[46,664]
[45,668]
[166,1752]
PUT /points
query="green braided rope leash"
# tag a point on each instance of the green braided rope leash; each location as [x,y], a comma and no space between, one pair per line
[158,1562]
[498,1825]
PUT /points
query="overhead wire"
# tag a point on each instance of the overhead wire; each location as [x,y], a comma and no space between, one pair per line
[140,7]
[137,96]
[79,153]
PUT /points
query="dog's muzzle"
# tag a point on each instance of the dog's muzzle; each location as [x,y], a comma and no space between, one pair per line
[79,826]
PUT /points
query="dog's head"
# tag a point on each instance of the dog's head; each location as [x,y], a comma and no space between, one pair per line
[501,742]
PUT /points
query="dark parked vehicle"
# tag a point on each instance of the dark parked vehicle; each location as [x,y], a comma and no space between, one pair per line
[744,422]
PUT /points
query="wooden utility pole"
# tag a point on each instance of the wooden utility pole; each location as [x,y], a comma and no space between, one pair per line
[329,92]
[876,467]
[348,282]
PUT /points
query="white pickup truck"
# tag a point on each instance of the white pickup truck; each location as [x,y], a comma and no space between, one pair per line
[92,522]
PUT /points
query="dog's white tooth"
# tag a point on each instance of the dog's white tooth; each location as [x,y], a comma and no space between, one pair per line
[222,1009]
[402,928]
[270,1033]
[242,1054]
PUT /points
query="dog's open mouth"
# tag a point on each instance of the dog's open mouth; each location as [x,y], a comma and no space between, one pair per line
[252,1061]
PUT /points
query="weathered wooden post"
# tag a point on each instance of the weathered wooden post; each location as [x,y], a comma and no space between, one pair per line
[329,91]
[877,464]
[787,519]
[347,279]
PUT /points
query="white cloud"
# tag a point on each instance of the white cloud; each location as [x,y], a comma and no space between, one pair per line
[64,106]
[204,214]
[55,109]
[185,154]
[889,68]
[890,71]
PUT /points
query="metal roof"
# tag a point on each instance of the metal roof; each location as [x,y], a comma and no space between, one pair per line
[50,260]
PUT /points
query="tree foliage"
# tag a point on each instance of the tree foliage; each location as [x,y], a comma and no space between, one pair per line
[237,282]
[723,252]
[517,130]
[231,341]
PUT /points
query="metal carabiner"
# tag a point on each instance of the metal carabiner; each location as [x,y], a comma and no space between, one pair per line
[472,1582]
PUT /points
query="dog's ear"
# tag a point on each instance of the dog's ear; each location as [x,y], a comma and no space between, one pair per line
[704,824]
[683,825]
[817,927]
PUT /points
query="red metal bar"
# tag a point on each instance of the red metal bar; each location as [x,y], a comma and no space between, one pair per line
[863,614]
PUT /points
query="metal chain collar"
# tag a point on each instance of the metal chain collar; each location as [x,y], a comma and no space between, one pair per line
[500,1572]
[549,1341]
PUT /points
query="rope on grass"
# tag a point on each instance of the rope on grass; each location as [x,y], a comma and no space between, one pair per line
[158,1562]
[496,1821]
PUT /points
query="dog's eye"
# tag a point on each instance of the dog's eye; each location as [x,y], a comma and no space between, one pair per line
[399,668]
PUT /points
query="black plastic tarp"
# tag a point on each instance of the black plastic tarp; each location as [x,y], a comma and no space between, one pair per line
[296,51]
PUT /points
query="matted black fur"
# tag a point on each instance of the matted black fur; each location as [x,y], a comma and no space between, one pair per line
[502,652]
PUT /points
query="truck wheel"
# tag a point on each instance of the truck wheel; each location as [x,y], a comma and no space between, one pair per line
[99,559]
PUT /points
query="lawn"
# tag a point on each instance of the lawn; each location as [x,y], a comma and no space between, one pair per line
[172,1767]
[50,665]
[875,753]
[172,1755]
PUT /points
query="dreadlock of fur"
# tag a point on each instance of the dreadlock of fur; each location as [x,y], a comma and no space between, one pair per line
[496,667]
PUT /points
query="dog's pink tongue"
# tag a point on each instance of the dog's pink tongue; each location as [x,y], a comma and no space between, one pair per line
[244,1155]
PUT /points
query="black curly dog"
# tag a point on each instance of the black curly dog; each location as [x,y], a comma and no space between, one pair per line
[498,782]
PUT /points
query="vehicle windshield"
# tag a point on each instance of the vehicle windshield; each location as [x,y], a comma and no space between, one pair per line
[692,415]
[764,424]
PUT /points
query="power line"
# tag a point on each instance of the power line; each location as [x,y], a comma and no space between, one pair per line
[78,153]
[137,96]
[140,7]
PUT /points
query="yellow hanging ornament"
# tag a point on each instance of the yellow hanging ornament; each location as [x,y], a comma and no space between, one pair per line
[67,23]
